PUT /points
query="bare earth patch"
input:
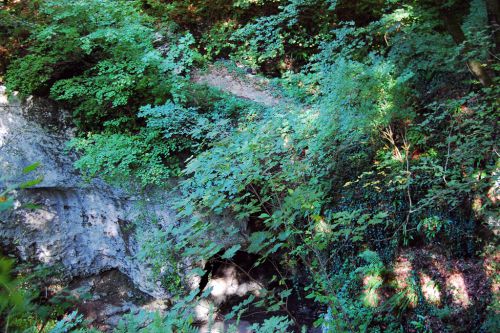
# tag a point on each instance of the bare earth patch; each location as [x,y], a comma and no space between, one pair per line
[246,86]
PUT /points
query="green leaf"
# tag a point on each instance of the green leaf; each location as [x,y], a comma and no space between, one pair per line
[31,167]
[207,292]
[31,183]
[31,206]
[284,235]
[231,251]
[6,204]
[197,272]
[285,293]
[258,241]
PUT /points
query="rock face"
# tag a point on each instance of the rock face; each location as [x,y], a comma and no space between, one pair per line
[89,227]
[84,226]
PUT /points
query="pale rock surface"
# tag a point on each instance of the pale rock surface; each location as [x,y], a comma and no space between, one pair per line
[86,227]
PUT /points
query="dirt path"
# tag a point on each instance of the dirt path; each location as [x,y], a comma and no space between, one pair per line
[245,85]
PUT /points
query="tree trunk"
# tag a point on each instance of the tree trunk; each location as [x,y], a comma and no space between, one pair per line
[493,8]
[452,19]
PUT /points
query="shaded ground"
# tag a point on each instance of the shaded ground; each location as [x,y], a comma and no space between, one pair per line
[453,294]
[232,281]
[108,296]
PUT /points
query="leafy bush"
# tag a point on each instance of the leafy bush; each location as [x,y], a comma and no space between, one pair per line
[103,63]
[385,137]
[121,158]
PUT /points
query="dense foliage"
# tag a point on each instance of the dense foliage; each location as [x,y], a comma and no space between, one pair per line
[385,140]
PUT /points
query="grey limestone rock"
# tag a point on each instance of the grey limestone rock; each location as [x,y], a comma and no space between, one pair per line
[86,227]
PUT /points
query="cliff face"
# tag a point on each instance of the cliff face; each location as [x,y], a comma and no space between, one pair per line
[86,227]
[89,227]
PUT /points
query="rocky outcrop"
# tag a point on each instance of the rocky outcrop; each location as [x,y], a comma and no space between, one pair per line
[86,227]
[90,227]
